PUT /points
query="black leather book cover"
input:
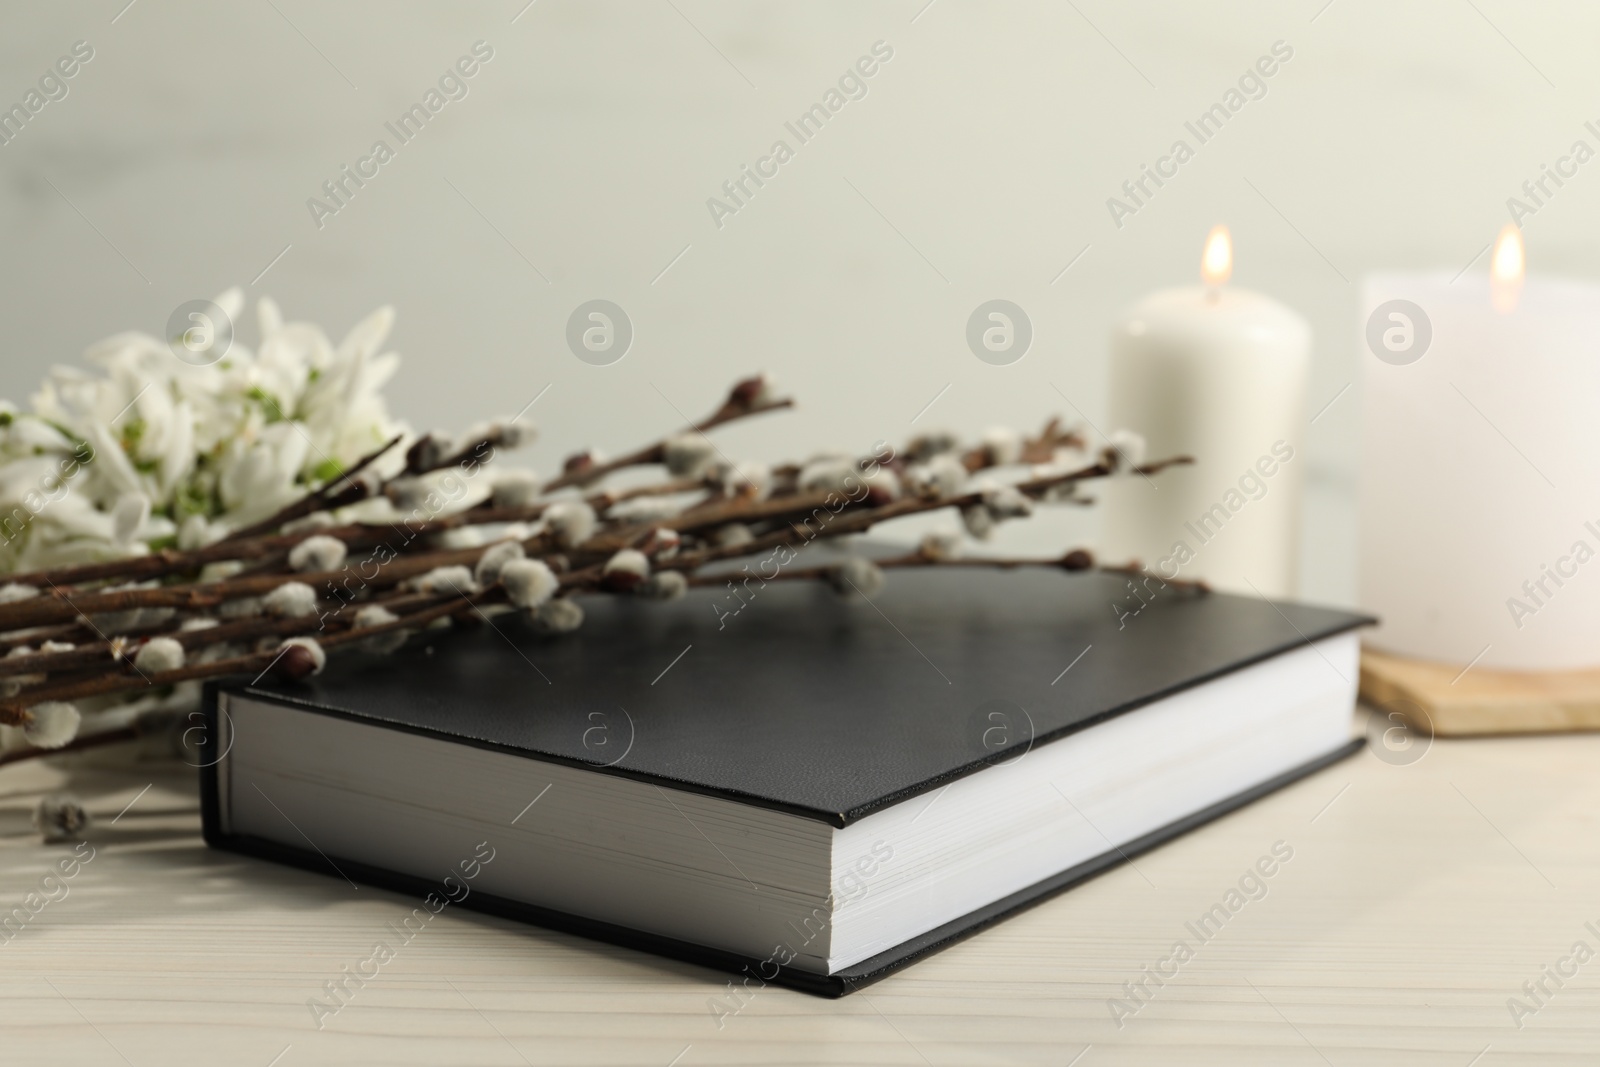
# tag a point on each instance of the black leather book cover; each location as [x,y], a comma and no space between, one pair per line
[787,696]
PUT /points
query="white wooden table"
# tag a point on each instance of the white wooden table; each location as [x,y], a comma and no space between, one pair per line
[1418,901]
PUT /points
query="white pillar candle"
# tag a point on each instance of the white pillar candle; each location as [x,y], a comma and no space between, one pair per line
[1480,471]
[1217,373]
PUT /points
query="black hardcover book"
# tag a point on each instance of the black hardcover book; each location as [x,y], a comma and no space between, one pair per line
[774,781]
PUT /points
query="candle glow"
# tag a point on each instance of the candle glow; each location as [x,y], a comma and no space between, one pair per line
[1216,262]
[1507,268]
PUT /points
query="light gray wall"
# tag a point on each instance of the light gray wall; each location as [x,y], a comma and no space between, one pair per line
[977,166]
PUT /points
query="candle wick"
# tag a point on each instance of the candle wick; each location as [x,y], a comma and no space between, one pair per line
[1213,294]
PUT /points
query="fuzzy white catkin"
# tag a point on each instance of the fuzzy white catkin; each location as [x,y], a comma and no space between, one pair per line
[1129,447]
[495,557]
[1002,446]
[688,454]
[12,592]
[1007,502]
[290,600]
[558,616]
[733,534]
[515,489]
[857,575]
[159,654]
[645,509]
[378,615]
[452,579]
[514,434]
[628,561]
[885,481]
[60,817]
[571,521]
[828,474]
[979,521]
[940,545]
[51,724]
[528,582]
[317,553]
[931,444]
[318,657]
[664,585]
[943,475]
[748,479]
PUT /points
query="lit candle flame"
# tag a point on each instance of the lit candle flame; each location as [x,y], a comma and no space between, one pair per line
[1507,269]
[1216,263]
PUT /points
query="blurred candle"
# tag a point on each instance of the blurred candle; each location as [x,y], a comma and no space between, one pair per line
[1480,467]
[1218,373]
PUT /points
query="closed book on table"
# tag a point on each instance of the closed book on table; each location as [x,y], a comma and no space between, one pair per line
[808,790]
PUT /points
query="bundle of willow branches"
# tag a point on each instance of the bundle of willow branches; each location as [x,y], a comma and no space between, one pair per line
[278,595]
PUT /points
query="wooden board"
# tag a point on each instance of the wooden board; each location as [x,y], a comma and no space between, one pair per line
[1450,702]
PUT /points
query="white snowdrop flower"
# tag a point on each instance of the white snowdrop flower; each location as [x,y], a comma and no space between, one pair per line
[378,615]
[940,545]
[1127,449]
[664,585]
[627,568]
[571,522]
[923,448]
[60,817]
[943,475]
[199,622]
[128,516]
[290,600]
[317,553]
[1002,446]
[159,654]
[221,571]
[1007,502]
[979,521]
[496,556]
[829,474]
[687,455]
[195,532]
[558,616]
[732,535]
[749,479]
[299,665]
[857,575]
[451,579]
[515,489]
[645,509]
[51,724]
[317,520]
[241,608]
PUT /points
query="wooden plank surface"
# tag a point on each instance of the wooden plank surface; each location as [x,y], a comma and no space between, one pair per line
[1457,701]
[1427,884]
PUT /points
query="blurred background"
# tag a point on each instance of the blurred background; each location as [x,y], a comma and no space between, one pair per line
[576,163]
